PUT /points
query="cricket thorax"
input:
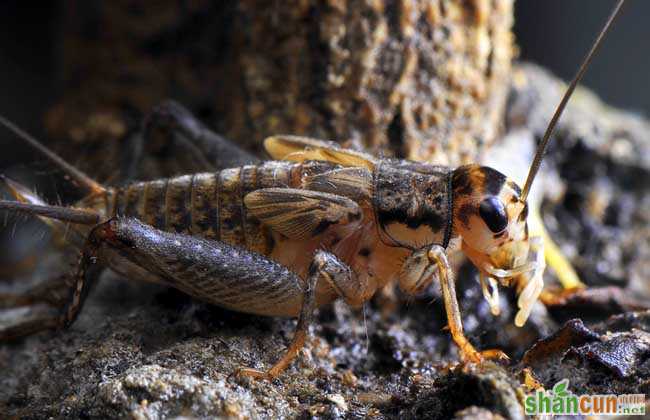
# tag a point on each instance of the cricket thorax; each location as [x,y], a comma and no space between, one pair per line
[414,203]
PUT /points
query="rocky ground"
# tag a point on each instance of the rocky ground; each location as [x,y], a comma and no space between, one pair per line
[146,352]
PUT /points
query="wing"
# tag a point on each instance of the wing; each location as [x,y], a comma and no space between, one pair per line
[299,149]
[354,183]
[300,214]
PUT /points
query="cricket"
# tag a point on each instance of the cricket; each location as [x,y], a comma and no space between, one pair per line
[283,237]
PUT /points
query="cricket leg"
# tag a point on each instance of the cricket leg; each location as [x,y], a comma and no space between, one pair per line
[570,283]
[437,256]
[222,274]
[53,291]
[324,267]
[554,257]
[170,125]
[50,294]
[53,295]
[29,327]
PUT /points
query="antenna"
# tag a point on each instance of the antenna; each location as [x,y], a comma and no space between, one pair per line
[83,179]
[541,149]
[66,214]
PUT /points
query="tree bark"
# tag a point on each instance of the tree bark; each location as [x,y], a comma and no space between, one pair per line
[415,78]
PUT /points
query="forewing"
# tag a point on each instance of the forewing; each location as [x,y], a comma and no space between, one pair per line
[300,214]
[300,149]
[354,183]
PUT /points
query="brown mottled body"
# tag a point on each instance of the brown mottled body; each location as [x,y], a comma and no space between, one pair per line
[212,206]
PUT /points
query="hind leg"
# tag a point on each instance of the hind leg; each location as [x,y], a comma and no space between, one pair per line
[64,296]
[219,273]
[50,294]
[175,134]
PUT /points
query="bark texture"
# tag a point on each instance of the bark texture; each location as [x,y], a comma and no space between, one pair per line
[417,78]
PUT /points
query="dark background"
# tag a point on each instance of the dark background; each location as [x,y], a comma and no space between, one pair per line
[554,33]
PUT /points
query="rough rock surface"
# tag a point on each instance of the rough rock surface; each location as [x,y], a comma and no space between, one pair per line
[146,352]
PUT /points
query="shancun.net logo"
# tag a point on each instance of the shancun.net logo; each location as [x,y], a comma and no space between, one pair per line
[560,400]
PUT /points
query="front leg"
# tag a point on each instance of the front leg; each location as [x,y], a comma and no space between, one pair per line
[419,270]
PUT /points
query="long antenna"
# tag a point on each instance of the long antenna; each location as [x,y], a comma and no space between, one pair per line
[67,214]
[83,179]
[541,149]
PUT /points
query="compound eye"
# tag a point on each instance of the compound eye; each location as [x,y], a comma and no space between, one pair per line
[493,214]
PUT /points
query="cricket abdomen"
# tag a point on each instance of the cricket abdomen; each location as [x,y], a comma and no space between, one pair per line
[210,205]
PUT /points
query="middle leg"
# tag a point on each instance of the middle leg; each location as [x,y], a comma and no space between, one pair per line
[324,267]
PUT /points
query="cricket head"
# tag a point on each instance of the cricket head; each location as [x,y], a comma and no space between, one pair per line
[490,215]
[491,219]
